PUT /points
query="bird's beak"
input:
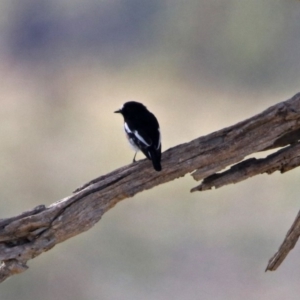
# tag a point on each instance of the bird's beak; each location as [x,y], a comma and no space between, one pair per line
[118,111]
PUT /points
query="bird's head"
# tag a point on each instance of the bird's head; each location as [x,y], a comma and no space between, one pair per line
[131,109]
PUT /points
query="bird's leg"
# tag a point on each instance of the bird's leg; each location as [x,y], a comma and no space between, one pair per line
[134,157]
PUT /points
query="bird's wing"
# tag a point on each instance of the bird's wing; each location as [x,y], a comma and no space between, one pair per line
[143,139]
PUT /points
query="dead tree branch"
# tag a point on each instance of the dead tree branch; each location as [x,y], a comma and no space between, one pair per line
[288,244]
[31,233]
[283,160]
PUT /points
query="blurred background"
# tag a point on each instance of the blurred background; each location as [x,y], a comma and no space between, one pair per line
[200,66]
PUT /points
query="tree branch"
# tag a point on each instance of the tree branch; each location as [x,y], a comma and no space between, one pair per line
[288,244]
[31,233]
[283,160]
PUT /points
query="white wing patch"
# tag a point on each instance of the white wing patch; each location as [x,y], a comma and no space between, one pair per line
[131,141]
[141,138]
[127,128]
[159,139]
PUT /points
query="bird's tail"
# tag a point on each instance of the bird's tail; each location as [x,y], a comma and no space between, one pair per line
[155,158]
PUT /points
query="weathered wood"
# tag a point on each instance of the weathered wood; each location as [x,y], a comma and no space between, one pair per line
[287,245]
[28,235]
[283,160]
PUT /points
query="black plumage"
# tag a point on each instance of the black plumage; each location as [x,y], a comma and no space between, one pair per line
[142,130]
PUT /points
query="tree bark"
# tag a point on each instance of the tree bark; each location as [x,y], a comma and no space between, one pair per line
[31,233]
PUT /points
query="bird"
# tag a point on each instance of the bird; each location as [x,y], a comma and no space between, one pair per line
[142,131]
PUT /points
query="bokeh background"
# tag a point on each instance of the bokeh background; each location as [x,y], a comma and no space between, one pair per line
[65,66]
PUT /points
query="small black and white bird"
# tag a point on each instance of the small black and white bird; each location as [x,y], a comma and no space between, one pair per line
[142,131]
